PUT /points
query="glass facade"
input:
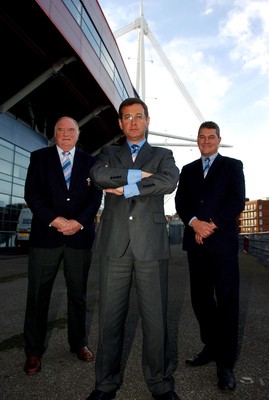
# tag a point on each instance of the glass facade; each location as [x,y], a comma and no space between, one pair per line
[82,18]
[14,162]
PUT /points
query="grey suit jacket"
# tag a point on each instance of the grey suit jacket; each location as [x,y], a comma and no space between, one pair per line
[139,220]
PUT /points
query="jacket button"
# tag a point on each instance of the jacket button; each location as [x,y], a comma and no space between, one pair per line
[68,199]
[131,218]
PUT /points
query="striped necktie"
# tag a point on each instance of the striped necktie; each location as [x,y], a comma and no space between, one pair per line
[206,167]
[67,167]
[134,151]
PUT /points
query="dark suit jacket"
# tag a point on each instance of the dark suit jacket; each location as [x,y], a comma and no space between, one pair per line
[139,220]
[219,197]
[48,197]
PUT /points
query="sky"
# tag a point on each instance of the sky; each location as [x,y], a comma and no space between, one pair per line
[219,52]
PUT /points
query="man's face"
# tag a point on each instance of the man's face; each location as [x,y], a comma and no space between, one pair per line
[134,123]
[208,142]
[66,134]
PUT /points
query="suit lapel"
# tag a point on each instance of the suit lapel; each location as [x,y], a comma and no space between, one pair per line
[216,165]
[54,163]
[76,169]
[144,155]
[124,156]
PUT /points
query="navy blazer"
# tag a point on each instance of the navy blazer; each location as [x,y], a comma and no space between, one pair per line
[219,197]
[48,197]
[139,220]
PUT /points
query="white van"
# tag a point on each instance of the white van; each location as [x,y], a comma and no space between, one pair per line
[23,228]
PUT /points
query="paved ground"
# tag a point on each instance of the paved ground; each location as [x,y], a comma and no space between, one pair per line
[63,376]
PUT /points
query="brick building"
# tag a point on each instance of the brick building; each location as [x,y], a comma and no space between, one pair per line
[255,217]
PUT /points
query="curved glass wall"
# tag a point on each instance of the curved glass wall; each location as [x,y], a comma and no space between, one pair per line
[14,162]
[83,19]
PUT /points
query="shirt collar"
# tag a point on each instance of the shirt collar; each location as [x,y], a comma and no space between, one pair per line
[139,144]
[71,152]
[211,158]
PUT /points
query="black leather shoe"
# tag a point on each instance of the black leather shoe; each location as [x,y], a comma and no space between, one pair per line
[200,359]
[85,354]
[32,365]
[99,395]
[171,395]
[226,379]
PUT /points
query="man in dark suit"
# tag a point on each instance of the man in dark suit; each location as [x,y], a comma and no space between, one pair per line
[132,239]
[209,198]
[63,228]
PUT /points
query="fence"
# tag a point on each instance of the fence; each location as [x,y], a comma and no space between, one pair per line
[175,232]
[7,239]
[257,245]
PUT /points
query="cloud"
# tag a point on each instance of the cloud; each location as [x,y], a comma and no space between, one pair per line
[208,11]
[198,73]
[196,67]
[223,65]
[263,102]
[247,26]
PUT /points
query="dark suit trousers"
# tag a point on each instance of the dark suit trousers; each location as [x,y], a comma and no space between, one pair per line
[214,280]
[42,271]
[151,279]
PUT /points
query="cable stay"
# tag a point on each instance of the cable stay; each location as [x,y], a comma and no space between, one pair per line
[144,30]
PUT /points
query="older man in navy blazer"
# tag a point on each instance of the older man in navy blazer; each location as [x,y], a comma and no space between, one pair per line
[209,198]
[63,228]
[132,239]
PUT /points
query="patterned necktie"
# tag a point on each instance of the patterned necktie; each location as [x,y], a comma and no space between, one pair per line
[134,151]
[206,167]
[67,168]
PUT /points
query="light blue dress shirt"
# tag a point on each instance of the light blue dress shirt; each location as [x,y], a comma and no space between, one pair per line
[133,177]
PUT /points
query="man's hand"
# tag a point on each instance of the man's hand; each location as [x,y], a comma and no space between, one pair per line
[70,228]
[59,222]
[145,174]
[213,225]
[118,191]
[202,229]
[198,239]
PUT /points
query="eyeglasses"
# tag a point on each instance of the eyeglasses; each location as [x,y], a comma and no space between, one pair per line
[129,117]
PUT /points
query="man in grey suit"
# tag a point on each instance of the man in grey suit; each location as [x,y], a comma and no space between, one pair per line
[209,198]
[132,238]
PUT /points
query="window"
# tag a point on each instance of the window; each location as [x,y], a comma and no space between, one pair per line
[82,18]
[14,162]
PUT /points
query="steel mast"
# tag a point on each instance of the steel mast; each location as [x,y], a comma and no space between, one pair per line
[144,30]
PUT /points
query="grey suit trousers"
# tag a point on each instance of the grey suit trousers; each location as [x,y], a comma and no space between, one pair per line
[151,279]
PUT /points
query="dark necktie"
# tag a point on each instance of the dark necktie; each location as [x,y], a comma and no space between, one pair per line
[67,168]
[134,151]
[206,167]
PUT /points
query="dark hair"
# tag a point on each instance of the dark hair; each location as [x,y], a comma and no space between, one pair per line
[210,125]
[129,102]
